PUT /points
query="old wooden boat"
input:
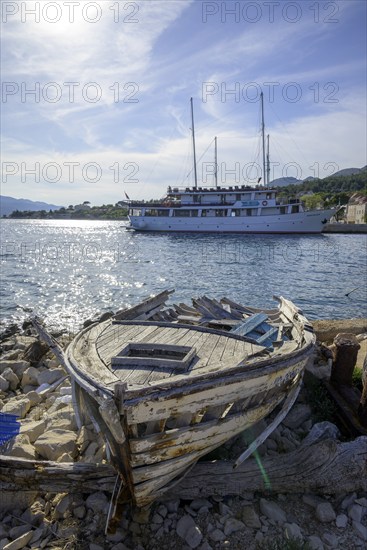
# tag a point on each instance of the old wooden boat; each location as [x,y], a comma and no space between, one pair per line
[166,385]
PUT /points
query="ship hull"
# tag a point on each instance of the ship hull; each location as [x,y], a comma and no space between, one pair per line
[302,222]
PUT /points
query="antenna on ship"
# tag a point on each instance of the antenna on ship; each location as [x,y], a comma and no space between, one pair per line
[215,162]
[267,160]
[263,136]
[193,143]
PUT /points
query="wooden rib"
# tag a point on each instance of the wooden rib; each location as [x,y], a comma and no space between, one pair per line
[173,443]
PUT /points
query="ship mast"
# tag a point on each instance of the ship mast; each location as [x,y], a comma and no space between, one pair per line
[215,162]
[263,136]
[267,161]
[193,143]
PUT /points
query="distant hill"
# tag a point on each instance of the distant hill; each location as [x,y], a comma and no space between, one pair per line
[9,205]
[348,171]
[282,182]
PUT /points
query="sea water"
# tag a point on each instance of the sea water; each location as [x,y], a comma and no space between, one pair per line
[67,271]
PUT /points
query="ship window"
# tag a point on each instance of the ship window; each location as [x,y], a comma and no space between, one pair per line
[283,209]
[238,196]
[194,213]
[135,212]
[219,213]
[248,211]
[295,209]
[181,213]
[150,212]
[236,212]
[163,212]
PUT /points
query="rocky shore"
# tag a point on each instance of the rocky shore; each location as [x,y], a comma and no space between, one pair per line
[35,387]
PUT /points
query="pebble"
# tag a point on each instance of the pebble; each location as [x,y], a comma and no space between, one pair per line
[325,512]
[271,510]
[341,521]
[232,525]
[355,512]
[331,540]
[315,543]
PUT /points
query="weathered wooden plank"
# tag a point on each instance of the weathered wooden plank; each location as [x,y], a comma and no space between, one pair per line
[143,307]
[159,447]
[250,324]
[223,390]
[327,467]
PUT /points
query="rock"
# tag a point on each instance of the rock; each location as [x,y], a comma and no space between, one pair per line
[97,502]
[80,512]
[37,535]
[63,419]
[50,376]
[3,543]
[54,443]
[331,540]
[33,429]
[360,529]
[232,525]
[355,512]
[315,543]
[184,524]
[34,398]
[21,447]
[217,536]
[312,500]
[297,416]
[18,531]
[193,537]
[62,506]
[18,367]
[118,536]
[327,329]
[30,377]
[341,521]
[4,384]
[162,511]
[293,531]
[321,431]
[20,542]
[11,377]
[272,511]
[348,500]
[250,517]
[200,503]
[18,406]
[325,512]
[93,546]
[157,519]
[224,510]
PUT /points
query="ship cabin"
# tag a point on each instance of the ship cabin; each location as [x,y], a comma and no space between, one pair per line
[217,202]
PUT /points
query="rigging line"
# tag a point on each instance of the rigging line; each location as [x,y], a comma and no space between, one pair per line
[289,136]
[199,159]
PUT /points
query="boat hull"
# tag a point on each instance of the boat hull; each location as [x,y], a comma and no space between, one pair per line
[302,222]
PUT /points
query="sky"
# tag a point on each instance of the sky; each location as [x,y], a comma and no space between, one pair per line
[96,95]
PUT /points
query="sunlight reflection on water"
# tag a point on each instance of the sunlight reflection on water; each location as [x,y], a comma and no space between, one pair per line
[68,271]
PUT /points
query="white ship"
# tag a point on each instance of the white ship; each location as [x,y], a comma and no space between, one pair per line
[233,209]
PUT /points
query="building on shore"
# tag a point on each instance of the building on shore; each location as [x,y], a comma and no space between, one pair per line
[357,209]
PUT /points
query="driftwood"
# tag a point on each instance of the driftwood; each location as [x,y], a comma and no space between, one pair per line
[327,467]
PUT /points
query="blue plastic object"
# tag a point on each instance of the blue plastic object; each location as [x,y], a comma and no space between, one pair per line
[9,427]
